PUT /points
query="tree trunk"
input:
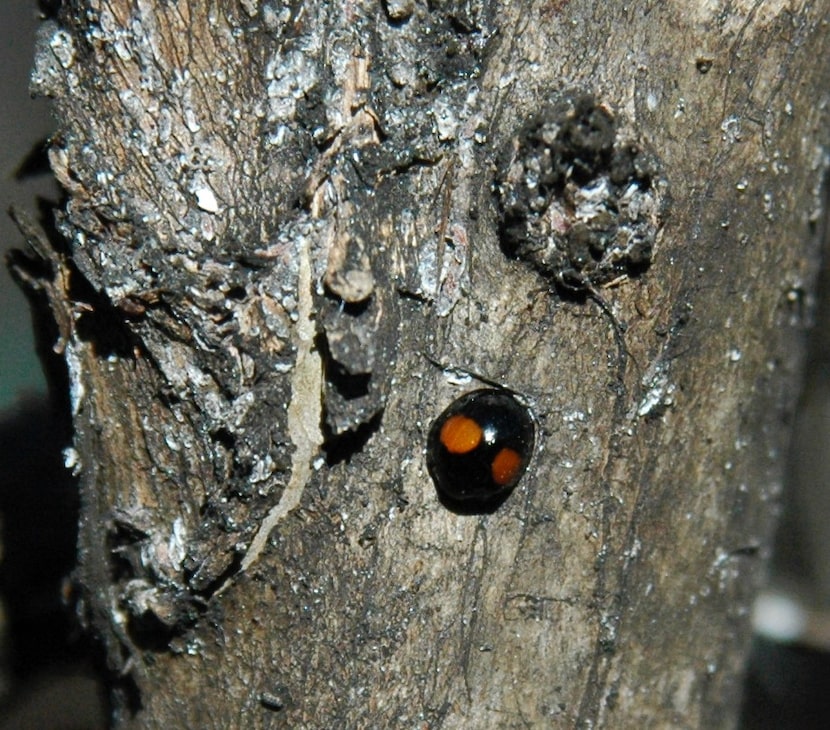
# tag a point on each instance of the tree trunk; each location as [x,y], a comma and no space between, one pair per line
[297,233]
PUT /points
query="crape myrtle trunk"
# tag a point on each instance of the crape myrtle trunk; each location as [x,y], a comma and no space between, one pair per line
[295,233]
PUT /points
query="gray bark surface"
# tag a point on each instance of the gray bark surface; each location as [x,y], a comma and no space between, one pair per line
[288,230]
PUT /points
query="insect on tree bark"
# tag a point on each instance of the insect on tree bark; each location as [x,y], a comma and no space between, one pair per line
[295,233]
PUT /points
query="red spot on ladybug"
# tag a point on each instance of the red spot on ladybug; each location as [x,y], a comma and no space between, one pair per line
[480,446]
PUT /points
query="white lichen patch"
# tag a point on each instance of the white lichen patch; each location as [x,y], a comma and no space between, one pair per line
[731,129]
[658,393]
[446,121]
[63,47]
[290,77]
[72,460]
[77,391]
[177,544]
[206,200]
[275,15]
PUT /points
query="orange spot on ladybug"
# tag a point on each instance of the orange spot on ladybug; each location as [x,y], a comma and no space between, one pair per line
[460,434]
[506,465]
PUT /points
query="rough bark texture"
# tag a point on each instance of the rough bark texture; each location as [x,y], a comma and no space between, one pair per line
[291,230]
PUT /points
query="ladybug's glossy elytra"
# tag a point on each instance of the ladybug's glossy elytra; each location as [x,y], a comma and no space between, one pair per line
[480,446]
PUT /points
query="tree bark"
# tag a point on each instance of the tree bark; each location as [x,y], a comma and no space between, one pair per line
[296,233]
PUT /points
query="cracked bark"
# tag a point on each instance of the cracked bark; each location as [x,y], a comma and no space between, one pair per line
[282,256]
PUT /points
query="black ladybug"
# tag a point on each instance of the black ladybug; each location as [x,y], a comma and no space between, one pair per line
[480,446]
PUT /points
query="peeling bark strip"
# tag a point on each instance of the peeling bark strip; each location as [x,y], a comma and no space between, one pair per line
[304,417]
[279,217]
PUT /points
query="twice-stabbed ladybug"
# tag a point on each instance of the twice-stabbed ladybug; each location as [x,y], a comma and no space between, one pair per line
[480,446]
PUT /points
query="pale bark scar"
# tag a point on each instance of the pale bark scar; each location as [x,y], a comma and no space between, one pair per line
[304,411]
